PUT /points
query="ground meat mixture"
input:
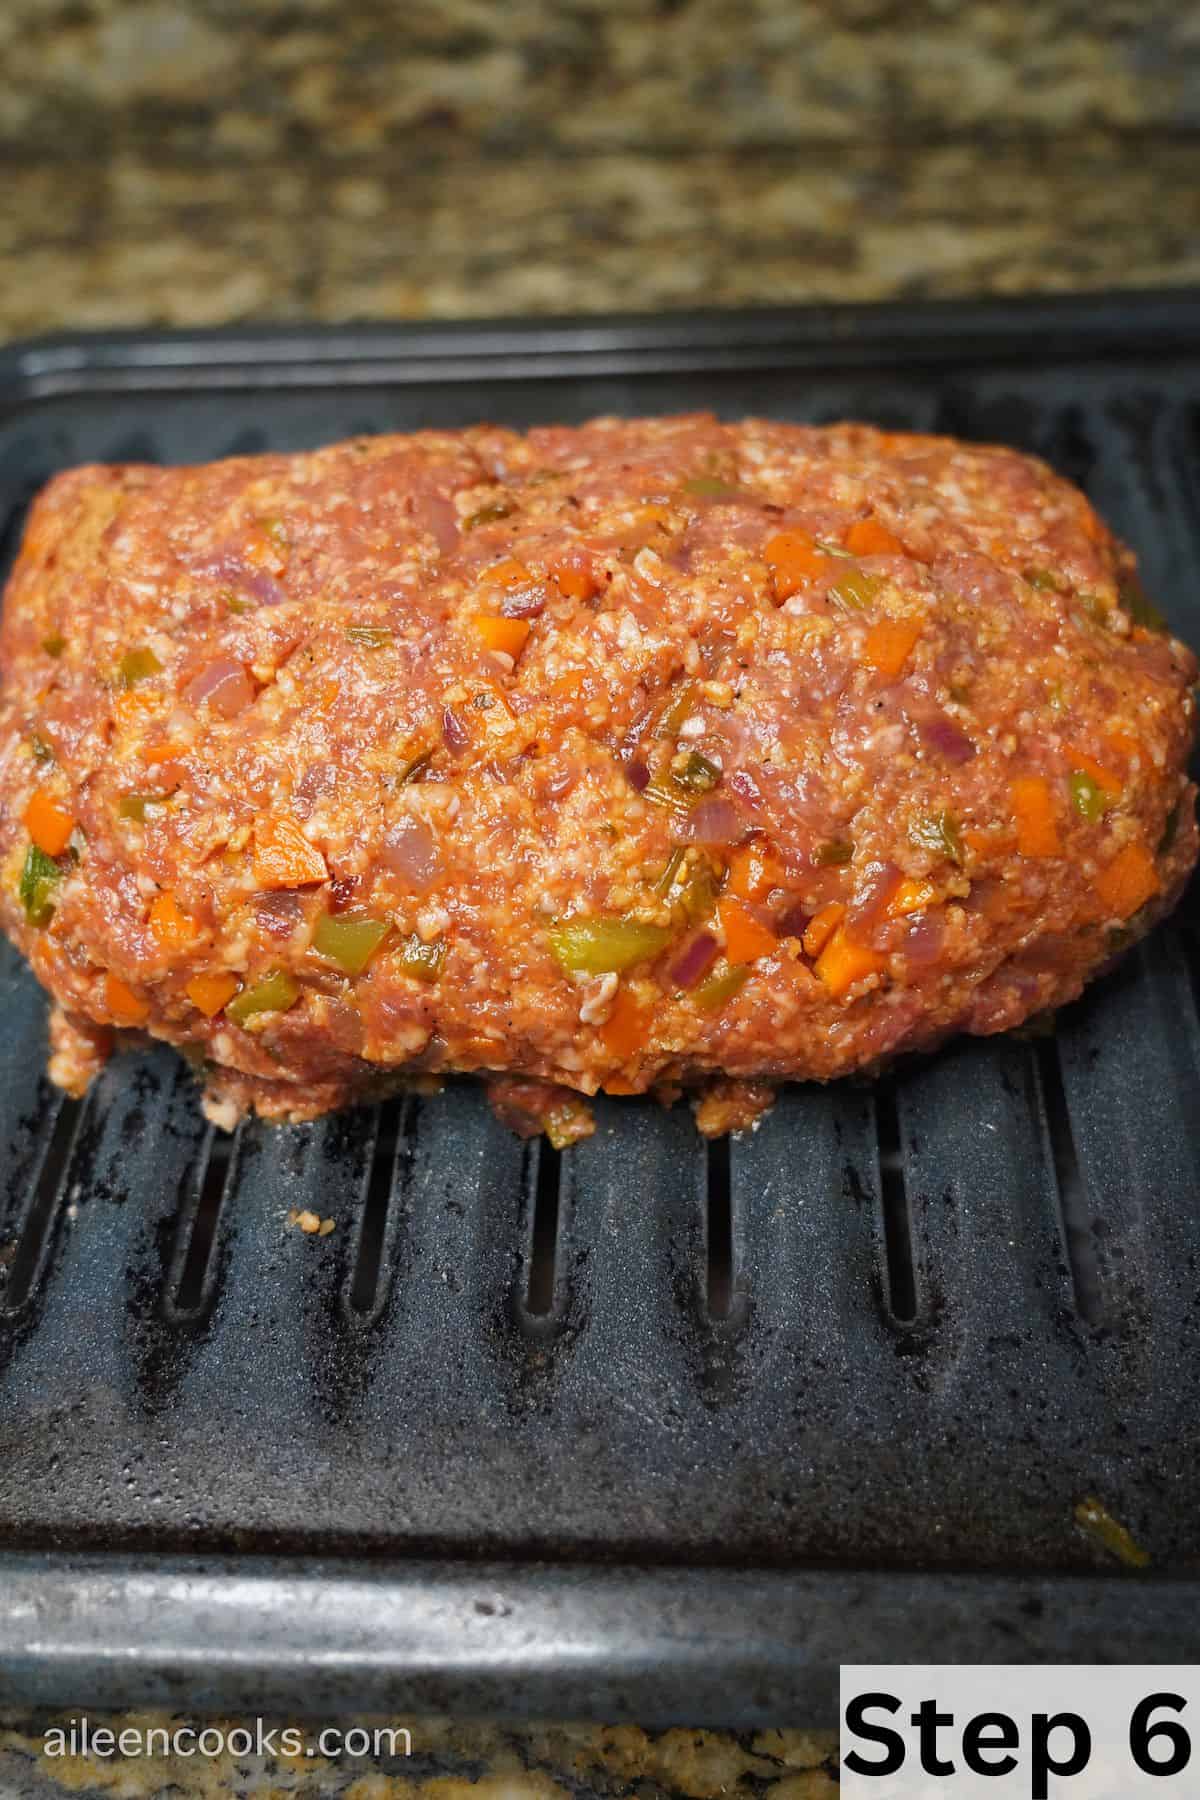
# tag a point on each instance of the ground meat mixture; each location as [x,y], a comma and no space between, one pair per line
[651,755]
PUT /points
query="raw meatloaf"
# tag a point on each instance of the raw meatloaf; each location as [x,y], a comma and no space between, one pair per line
[652,754]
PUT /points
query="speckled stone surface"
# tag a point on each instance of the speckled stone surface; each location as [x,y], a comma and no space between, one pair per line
[179,163]
[192,163]
[448,1761]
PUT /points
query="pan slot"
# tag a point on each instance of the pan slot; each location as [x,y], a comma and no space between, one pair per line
[543,1244]
[33,1244]
[134,447]
[1184,459]
[189,1290]
[11,532]
[1068,446]
[250,442]
[1078,1232]
[369,1281]
[988,418]
[898,1248]
[718,1236]
[1189,939]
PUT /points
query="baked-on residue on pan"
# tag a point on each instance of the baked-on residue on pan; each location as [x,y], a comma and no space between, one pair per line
[636,755]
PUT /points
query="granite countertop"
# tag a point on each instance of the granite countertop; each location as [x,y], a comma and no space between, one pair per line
[451,1760]
[195,162]
[190,162]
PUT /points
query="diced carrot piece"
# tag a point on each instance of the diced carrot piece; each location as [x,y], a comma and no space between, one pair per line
[890,642]
[262,549]
[567,685]
[613,1084]
[574,581]
[745,939]
[868,537]
[793,559]
[47,823]
[157,753]
[1128,882]
[211,994]
[508,635]
[283,856]
[1103,778]
[753,872]
[843,962]
[822,926]
[1033,811]
[132,706]
[624,1031]
[126,1007]
[172,927]
[509,573]
[910,897]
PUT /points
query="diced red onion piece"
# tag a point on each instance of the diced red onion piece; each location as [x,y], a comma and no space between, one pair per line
[742,783]
[410,851]
[638,773]
[342,891]
[692,963]
[223,686]
[439,518]
[222,565]
[923,945]
[264,587]
[455,735]
[713,820]
[879,882]
[944,736]
[278,913]
[793,921]
[525,603]
[317,783]
[631,743]
[344,1024]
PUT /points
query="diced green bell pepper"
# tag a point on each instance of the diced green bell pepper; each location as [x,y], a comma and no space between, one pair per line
[721,986]
[680,708]
[856,590]
[276,992]
[349,942]
[938,832]
[137,665]
[40,877]
[1087,797]
[489,514]
[601,946]
[421,960]
[698,775]
[371,637]
[133,806]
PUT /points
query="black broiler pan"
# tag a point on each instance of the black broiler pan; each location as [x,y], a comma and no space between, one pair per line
[657,1429]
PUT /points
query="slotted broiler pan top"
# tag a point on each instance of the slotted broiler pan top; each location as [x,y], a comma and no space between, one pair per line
[658,1428]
